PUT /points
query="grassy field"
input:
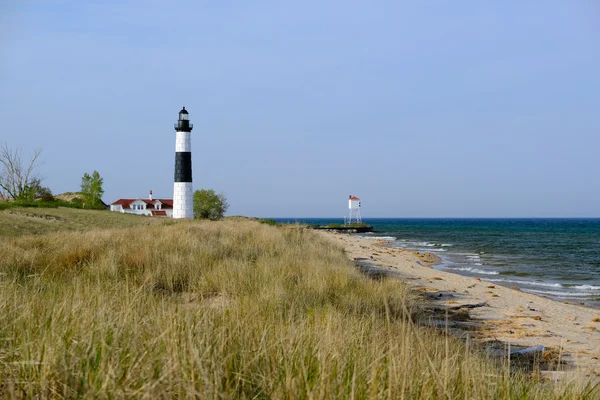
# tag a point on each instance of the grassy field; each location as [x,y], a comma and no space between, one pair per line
[26,221]
[231,309]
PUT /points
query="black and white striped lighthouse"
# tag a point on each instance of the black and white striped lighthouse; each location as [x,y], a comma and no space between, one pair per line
[182,190]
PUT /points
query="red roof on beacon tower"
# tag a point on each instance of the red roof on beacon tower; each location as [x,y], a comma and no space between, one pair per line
[353,198]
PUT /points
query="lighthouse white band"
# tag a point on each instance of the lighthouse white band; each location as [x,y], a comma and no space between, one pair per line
[183,141]
[183,202]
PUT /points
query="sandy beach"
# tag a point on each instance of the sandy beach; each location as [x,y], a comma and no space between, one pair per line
[499,314]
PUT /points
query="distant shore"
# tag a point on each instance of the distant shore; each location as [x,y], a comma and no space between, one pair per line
[509,315]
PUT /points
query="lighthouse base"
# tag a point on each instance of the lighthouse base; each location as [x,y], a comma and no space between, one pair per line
[183,200]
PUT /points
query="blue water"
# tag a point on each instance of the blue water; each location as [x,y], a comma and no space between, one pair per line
[557,258]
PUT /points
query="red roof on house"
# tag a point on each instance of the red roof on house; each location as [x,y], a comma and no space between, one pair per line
[159,213]
[354,198]
[166,203]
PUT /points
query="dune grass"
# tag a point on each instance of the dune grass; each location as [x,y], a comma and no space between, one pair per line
[232,309]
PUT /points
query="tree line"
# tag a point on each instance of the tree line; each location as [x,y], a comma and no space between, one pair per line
[21,183]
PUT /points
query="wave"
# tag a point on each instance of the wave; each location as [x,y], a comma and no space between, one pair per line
[474,270]
[531,283]
[446,245]
[547,284]
[421,246]
[388,238]
[559,294]
[585,287]
[426,244]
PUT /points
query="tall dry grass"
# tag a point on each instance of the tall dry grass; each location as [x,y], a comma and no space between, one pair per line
[229,309]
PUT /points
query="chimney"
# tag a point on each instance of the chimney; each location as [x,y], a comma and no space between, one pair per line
[150,197]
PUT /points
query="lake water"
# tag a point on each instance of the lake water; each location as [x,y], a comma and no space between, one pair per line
[558,258]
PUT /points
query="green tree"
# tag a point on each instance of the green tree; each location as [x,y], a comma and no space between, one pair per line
[34,190]
[209,205]
[91,190]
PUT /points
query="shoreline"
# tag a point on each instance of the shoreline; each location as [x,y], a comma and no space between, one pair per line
[442,264]
[508,314]
[552,257]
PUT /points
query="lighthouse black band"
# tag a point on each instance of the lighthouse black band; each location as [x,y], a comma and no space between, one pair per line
[183,166]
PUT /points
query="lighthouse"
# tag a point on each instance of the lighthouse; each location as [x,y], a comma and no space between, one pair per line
[182,190]
[354,207]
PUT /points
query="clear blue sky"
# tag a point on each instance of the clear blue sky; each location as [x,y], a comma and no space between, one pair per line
[422,109]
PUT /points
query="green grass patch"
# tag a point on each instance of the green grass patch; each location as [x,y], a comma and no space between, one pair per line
[18,221]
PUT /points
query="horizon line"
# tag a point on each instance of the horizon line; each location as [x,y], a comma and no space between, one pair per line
[341,218]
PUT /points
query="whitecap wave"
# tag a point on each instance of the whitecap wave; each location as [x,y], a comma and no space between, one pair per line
[475,270]
[585,287]
[388,238]
[446,245]
[530,283]
[558,294]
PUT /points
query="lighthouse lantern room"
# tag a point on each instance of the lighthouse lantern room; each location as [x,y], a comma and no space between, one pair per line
[182,190]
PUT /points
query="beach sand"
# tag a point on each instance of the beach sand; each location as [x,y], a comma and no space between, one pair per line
[509,316]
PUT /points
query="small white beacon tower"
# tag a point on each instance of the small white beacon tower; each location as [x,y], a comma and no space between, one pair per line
[354,208]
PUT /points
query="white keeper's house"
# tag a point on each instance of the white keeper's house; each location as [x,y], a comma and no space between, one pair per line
[151,207]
